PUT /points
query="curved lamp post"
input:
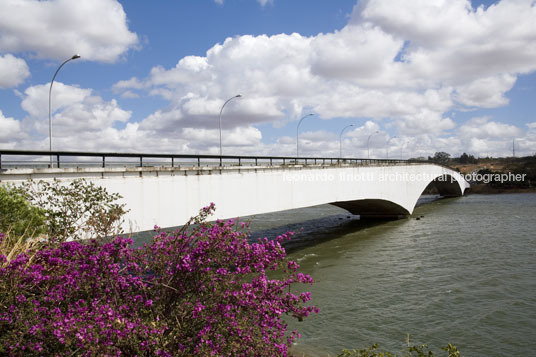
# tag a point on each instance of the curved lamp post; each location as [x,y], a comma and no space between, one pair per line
[402,150]
[388,141]
[297,139]
[368,142]
[340,140]
[221,110]
[50,104]
[514,147]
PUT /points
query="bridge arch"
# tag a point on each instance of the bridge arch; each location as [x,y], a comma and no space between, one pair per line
[373,208]
[449,184]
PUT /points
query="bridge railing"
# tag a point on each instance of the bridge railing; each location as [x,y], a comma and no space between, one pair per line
[11,159]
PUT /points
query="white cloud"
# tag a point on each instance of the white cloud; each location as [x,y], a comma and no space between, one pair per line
[275,74]
[83,121]
[90,116]
[35,99]
[129,95]
[14,71]
[10,132]
[97,29]
[481,136]
[424,122]
[132,83]
[483,127]
[425,22]
[363,54]
[264,2]
[451,41]
[126,88]
[79,119]
[231,139]
[486,92]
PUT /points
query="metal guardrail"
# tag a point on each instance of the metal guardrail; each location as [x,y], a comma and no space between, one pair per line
[57,159]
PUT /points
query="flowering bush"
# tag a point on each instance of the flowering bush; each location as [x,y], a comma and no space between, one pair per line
[203,290]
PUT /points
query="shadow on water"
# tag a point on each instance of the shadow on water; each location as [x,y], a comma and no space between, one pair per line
[310,229]
[310,225]
[307,229]
[315,231]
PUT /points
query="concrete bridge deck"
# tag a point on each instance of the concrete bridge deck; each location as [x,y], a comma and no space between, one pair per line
[170,195]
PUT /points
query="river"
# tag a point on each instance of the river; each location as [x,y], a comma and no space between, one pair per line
[463,273]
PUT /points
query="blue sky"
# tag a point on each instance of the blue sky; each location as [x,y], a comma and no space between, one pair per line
[427,75]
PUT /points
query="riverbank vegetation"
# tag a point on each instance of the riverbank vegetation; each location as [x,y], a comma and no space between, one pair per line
[202,290]
[411,351]
[18,216]
[489,172]
[78,210]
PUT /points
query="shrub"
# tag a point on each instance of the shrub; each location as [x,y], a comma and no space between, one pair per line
[78,210]
[202,290]
[412,351]
[18,217]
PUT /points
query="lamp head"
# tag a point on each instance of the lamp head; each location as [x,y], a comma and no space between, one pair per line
[238,95]
[75,56]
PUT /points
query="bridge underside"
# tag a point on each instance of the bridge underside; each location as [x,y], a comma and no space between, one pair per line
[445,186]
[373,209]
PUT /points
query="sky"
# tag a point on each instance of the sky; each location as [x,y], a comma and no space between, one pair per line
[397,78]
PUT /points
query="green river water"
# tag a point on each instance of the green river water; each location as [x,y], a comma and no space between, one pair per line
[464,273]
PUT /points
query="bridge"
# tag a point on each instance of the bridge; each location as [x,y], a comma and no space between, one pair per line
[166,189]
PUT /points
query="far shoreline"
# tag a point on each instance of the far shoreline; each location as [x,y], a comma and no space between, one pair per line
[477,189]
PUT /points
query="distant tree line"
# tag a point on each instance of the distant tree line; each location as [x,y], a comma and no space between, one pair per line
[444,158]
[515,165]
[440,158]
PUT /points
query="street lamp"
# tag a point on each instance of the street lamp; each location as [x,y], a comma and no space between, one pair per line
[340,140]
[514,147]
[368,142]
[297,139]
[50,105]
[402,150]
[221,110]
[388,141]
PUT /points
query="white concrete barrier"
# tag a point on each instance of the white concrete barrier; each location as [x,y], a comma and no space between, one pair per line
[170,196]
